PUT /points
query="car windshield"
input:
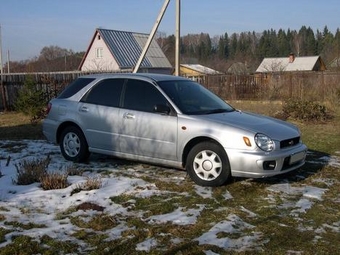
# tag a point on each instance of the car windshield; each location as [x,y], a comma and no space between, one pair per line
[194,99]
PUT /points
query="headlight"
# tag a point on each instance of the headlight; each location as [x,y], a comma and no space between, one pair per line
[264,142]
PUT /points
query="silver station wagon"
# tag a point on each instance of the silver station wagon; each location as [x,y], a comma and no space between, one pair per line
[170,121]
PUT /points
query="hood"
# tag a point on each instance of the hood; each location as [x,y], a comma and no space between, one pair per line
[274,128]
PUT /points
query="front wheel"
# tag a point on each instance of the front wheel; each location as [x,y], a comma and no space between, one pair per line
[73,145]
[208,165]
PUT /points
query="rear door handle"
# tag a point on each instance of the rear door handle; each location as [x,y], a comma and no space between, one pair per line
[128,116]
[84,109]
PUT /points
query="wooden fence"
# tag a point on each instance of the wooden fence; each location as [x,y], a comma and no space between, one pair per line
[317,86]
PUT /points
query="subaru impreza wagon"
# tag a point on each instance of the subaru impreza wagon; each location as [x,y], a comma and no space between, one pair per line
[171,121]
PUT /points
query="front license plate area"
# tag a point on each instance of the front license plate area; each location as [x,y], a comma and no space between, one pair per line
[297,157]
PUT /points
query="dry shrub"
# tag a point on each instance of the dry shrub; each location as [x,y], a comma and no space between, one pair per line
[31,171]
[90,184]
[35,170]
[306,110]
[73,170]
[90,206]
[54,181]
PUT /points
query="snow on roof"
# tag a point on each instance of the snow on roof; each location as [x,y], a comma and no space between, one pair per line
[200,68]
[283,64]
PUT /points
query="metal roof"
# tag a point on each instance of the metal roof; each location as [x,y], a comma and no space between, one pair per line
[126,48]
[283,64]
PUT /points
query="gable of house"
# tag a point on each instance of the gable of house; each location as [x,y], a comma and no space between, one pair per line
[118,50]
[311,63]
[335,64]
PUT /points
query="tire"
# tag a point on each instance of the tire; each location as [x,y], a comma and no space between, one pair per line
[208,164]
[73,145]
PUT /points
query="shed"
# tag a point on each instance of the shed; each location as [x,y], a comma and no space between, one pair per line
[291,64]
[196,71]
[113,50]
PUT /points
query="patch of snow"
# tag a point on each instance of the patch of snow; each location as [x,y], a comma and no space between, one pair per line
[210,253]
[181,216]
[146,245]
[227,195]
[302,206]
[250,213]
[205,192]
[234,225]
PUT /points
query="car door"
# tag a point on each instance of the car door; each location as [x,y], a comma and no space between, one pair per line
[99,114]
[145,132]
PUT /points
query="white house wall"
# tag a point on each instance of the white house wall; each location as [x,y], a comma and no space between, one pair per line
[105,63]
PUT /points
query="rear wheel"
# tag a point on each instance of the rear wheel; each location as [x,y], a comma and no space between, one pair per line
[208,164]
[73,145]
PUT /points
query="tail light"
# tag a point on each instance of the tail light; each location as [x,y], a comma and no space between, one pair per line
[49,107]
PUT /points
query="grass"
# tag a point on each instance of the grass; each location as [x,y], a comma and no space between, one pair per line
[16,126]
[269,213]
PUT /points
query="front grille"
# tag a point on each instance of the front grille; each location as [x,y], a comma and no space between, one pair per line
[289,142]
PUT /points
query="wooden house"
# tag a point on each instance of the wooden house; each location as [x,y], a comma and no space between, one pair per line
[117,51]
[291,64]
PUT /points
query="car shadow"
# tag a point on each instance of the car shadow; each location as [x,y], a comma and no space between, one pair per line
[315,161]
[19,132]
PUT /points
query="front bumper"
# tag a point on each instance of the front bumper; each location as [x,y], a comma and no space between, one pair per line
[261,164]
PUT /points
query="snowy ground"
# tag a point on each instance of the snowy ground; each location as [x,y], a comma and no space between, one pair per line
[29,203]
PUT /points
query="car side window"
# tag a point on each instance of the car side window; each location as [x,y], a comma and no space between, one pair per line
[107,92]
[142,96]
[75,86]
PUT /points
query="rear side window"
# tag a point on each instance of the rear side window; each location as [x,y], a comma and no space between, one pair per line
[75,86]
[107,92]
[142,96]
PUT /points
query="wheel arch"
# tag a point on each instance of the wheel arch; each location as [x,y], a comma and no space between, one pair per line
[63,126]
[194,142]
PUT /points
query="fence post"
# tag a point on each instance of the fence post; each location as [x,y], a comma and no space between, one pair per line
[3,94]
[323,86]
[290,85]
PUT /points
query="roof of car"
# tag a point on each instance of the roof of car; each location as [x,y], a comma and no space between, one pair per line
[150,76]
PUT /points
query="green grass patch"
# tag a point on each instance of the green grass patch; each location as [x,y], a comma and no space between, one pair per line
[99,222]
[26,226]
[16,126]
[25,245]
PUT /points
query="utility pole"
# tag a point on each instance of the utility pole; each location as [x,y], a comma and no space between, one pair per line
[154,30]
[8,61]
[1,75]
[178,36]
[1,63]
[151,36]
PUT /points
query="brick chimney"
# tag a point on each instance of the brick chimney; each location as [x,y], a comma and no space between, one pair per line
[291,57]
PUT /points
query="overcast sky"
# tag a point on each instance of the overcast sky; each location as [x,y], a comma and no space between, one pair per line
[29,25]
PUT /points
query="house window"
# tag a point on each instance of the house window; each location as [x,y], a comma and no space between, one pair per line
[99,52]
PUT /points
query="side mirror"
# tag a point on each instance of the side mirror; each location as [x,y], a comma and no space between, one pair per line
[160,108]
